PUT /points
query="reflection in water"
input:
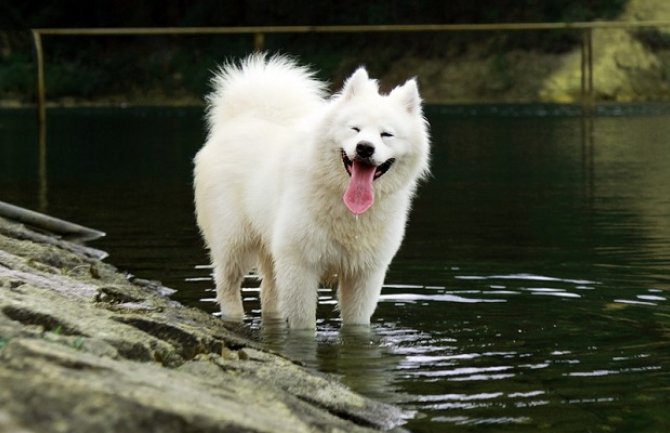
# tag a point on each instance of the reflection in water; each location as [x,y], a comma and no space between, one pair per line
[356,354]
[530,294]
[42,172]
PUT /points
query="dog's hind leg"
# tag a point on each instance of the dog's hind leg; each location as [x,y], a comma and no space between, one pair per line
[269,294]
[229,271]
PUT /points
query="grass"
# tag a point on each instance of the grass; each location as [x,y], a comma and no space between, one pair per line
[78,343]
[75,342]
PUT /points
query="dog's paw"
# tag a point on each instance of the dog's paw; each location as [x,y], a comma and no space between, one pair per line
[234,314]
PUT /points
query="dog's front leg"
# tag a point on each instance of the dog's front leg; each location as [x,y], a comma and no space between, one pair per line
[358,295]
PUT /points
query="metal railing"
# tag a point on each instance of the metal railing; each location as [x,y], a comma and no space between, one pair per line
[258,33]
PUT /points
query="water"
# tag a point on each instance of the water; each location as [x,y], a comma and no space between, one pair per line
[532,292]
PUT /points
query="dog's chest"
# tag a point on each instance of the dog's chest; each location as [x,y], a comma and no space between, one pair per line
[358,235]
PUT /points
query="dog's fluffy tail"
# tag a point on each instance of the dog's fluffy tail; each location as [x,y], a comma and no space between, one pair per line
[272,88]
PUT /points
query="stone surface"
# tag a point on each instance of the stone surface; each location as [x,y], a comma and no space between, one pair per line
[83,349]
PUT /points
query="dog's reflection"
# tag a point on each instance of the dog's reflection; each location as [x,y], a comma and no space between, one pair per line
[358,355]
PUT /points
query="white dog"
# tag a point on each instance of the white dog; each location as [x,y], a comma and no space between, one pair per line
[304,186]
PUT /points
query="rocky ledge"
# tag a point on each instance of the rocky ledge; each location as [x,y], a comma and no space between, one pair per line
[83,348]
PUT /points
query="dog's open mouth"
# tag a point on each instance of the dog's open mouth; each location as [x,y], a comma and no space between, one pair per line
[379,171]
[360,195]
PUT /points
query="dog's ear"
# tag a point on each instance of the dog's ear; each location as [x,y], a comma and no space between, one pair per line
[358,83]
[408,96]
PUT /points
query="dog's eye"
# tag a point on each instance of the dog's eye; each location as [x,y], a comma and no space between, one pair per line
[356,128]
[386,134]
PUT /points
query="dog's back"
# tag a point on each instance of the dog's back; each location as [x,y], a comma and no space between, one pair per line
[254,104]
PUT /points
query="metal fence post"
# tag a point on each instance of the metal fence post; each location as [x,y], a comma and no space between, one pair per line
[259,41]
[41,90]
[587,91]
[42,121]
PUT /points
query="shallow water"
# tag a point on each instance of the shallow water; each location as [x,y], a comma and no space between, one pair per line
[531,293]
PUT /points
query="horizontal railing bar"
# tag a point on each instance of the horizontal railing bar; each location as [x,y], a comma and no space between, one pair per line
[107,31]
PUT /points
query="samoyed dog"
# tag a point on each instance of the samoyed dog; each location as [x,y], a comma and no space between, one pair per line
[304,186]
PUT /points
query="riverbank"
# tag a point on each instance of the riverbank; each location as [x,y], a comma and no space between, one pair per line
[629,65]
[84,348]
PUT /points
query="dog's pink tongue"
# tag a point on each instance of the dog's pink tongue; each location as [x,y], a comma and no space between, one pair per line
[360,196]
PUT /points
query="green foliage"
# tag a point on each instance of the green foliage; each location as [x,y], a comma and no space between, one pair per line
[500,68]
[78,343]
[17,76]
[153,13]
[99,67]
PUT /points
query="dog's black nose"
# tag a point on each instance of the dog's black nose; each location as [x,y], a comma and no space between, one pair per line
[364,149]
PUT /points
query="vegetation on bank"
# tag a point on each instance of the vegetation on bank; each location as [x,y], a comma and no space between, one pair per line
[166,69]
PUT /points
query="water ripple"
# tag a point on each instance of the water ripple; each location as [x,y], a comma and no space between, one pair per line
[414,297]
[464,420]
[526,277]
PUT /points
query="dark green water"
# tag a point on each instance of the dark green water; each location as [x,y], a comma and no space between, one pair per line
[531,293]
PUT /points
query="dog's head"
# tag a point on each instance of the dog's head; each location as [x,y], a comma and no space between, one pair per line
[381,139]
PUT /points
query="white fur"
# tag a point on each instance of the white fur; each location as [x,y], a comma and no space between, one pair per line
[270,179]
